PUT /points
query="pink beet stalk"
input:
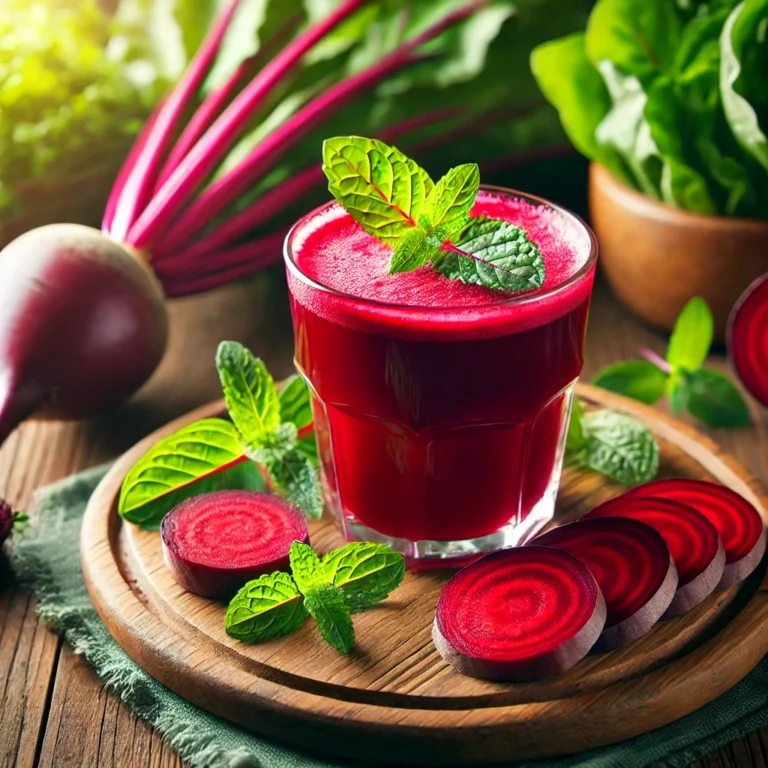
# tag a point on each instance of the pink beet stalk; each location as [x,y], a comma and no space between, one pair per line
[216,102]
[657,360]
[217,140]
[125,171]
[227,189]
[141,180]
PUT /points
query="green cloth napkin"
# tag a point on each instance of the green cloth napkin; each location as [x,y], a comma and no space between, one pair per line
[48,556]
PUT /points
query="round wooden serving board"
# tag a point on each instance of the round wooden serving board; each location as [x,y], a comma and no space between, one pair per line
[393,699]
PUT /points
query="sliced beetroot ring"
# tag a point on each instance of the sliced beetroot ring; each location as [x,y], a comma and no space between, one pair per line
[739,524]
[748,338]
[519,615]
[216,542]
[632,566]
[693,542]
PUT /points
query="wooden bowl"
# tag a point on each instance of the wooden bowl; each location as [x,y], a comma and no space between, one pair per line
[657,257]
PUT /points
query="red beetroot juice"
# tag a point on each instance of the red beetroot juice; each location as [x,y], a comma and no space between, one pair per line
[440,408]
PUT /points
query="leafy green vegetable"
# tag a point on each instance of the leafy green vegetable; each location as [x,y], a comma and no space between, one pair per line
[268,607]
[671,97]
[386,193]
[326,605]
[706,394]
[184,464]
[638,379]
[294,476]
[614,444]
[75,88]
[295,403]
[365,572]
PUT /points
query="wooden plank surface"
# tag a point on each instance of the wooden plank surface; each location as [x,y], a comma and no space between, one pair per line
[55,711]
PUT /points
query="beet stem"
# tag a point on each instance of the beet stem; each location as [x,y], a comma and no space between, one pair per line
[141,179]
[228,188]
[657,360]
[235,263]
[125,172]
[215,103]
[275,200]
[217,140]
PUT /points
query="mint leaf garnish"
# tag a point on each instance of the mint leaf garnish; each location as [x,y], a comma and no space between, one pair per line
[295,479]
[295,403]
[327,607]
[691,337]
[613,444]
[707,395]
[620,447]
[250,393]
[394,200]
[365,572]
[495,254]
[268,607]
[381,188]
[639,379]
[714,399]
[305,566]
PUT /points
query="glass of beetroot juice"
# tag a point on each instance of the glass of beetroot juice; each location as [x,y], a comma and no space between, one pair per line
[441,408]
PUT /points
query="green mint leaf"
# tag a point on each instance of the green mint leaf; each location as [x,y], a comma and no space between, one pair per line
[365,572]
[305,566]
[692,336]
[326,605]
[296,402]
[295,479]
[715,400]
[201,457]
[20,522]
[266,608]
[275,445]
[250,393]
[449,204]
[495,254]
[620,447]
[414,249]
[576,439]
[381,188]
[639,379]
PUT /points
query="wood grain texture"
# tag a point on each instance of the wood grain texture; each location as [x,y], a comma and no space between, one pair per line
[43,453]
[394,696]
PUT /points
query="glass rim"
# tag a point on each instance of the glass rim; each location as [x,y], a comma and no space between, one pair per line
[514,300]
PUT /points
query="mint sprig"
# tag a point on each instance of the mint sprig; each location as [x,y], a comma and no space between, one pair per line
[395,200]
[270,434]
[706,394]
[613,444]
[352,578]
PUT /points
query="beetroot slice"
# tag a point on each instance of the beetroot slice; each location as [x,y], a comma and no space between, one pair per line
[216,542]
[693,542]
[748,338]
[632,566]
[519,615]
[739,524]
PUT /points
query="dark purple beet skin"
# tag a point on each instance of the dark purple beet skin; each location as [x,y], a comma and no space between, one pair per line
[519,615]
[632,566]
[83,324]
[216,542]
[737,521]
[693,542]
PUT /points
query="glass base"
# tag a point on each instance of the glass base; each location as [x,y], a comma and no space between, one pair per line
[456,554]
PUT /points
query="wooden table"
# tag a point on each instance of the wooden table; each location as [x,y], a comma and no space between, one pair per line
[54,711]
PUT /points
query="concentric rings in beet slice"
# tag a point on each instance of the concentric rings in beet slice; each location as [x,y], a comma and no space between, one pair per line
[748,338]
[216,542]
[519,615]
[693,542]
[739,524]
[632,566]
